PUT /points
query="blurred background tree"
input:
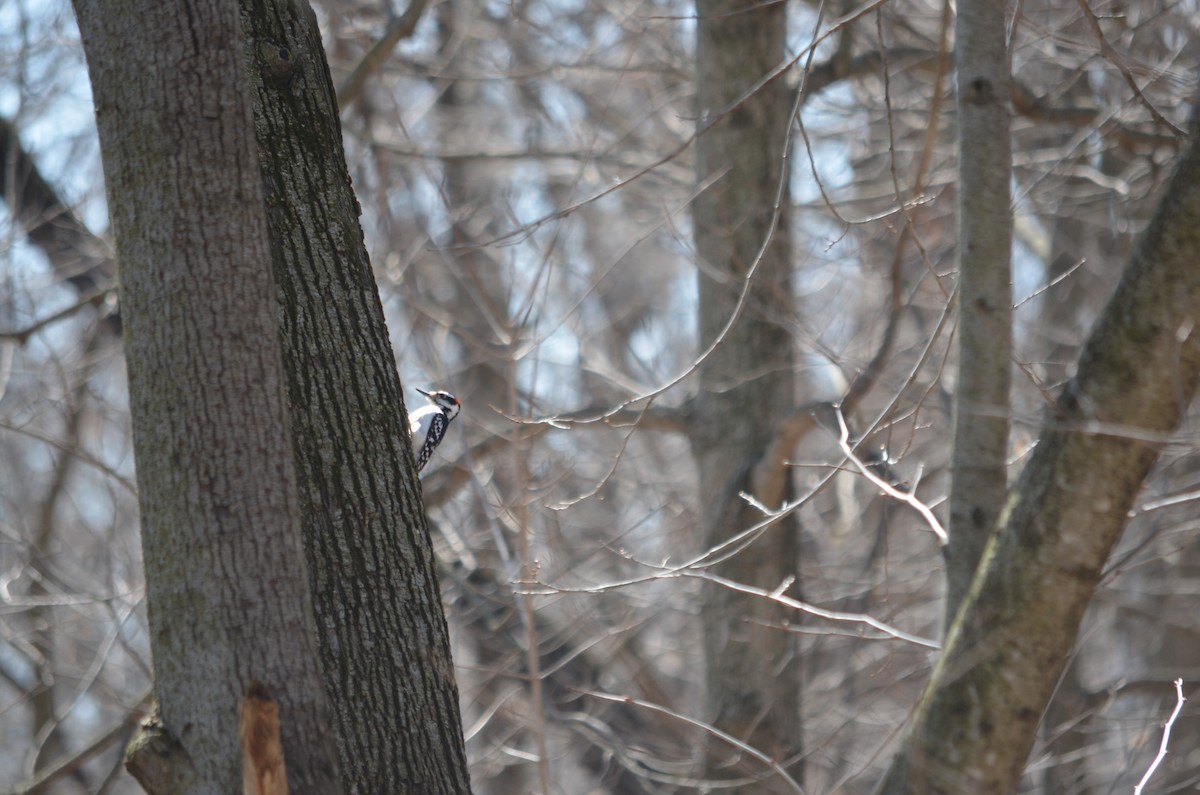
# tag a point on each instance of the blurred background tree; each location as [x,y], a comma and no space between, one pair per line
[540,216]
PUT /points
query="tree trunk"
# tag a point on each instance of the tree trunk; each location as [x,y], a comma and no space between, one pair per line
[226,584]
[746,382]
[384,642]
[1138,372]
[979,461]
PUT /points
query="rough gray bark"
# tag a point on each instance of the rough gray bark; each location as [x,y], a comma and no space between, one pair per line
[746,383]
[384,642]
[226,585]
[979,462]
[976,722]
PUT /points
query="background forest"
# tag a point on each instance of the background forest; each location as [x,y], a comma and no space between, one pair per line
[554,243]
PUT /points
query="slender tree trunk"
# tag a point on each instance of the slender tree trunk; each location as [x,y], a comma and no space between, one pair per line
[226,583]
[979,461]
[42,629]
[384,642]
[746,383]
[976,722]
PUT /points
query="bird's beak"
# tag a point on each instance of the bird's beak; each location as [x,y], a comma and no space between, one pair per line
[423,392]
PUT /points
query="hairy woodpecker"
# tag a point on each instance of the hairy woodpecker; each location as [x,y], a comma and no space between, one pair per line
[427,425]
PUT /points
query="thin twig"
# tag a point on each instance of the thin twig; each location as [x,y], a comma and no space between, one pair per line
[772,764]
[1111,54]
[98,744]
[909,498]
[95,297]
[1052,283]
[1162,748]
[777,595]
[400,28]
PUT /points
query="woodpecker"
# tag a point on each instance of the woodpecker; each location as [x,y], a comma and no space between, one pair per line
[427,425]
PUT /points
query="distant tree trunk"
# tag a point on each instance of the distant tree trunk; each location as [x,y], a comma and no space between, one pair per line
[41,626]
[979,461]
[1136,376]
[226,585]
[746,383]
[384,642]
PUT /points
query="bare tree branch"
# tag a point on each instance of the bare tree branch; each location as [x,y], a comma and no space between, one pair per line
[77,256]
[1166,736]
[398,29]
[974,726]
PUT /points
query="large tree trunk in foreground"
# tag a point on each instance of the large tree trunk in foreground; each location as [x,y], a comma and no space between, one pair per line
[226,584]
[746,384]
[384,643]
[1138,372]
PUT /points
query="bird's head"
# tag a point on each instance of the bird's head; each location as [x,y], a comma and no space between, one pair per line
[444,401]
